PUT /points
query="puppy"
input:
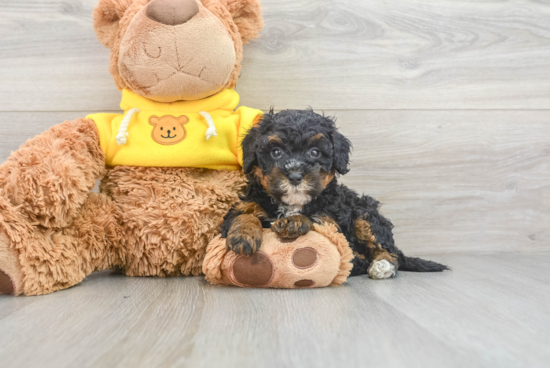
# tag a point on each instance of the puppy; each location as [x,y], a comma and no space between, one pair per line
[291,160]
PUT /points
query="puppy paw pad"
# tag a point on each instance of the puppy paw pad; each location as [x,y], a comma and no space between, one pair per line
[380,270]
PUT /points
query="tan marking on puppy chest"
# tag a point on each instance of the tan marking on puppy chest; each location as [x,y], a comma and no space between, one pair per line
[168,130]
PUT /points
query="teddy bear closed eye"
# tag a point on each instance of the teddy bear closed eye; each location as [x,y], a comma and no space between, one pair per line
[168,129]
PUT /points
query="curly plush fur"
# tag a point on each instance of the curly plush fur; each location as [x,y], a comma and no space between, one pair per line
[291,159]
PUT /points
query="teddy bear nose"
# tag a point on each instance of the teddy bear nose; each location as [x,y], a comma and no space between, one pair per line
[172,12]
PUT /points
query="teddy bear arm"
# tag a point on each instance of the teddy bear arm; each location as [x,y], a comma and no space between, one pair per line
[50,175]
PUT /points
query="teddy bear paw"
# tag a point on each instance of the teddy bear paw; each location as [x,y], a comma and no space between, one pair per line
[382,269]
[6,285]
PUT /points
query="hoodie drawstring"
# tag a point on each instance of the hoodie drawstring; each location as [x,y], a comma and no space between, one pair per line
[122,135]
[211,131]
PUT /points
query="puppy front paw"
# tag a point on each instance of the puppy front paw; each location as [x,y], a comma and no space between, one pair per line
[244,240]
[291,227]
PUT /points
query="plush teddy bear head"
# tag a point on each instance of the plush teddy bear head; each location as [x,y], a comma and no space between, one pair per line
[171,50]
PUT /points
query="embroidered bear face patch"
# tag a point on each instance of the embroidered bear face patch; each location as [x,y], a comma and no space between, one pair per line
[168,129]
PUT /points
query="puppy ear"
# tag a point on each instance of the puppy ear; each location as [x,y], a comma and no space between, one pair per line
[106,17]
[247,15]
[249,146]
[342,149]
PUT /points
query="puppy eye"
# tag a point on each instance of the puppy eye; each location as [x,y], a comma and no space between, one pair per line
[315,152]
[276,153]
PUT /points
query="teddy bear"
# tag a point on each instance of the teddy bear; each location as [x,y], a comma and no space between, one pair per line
[168,129]
[169,165]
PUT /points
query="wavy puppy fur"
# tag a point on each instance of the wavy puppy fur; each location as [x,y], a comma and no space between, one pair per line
[291,160]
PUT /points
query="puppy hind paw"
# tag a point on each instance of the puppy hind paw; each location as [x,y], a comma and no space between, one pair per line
[382,269]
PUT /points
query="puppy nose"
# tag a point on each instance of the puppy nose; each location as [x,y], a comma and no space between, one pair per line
[295,178]
[172,12]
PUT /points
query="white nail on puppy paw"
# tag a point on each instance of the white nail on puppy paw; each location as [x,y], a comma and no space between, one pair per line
[382,269]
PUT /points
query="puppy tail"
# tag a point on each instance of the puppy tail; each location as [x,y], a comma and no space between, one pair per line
[414,264]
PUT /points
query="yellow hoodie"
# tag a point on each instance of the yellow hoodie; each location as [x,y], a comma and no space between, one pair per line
[205,133]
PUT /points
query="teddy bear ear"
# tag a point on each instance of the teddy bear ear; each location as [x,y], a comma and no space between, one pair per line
[182,119]
[247,15]
[153,120]
[106,17]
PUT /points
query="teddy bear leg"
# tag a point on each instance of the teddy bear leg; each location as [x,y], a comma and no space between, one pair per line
[43,186]
[35,261]
[48,178]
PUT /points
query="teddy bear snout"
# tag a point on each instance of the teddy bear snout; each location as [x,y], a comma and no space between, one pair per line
[172,12]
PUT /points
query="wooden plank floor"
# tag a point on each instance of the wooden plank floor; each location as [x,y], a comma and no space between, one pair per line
[490,311]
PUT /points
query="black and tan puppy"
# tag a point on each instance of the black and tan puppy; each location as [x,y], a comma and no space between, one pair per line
[291,160]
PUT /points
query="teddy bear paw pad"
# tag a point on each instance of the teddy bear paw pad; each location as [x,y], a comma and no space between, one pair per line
[304,283]
[6,286]
[305,258]
[254,270]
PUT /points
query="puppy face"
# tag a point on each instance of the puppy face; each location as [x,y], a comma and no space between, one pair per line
[294,155]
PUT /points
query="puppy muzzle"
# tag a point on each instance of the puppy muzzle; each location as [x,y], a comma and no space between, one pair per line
[294,171]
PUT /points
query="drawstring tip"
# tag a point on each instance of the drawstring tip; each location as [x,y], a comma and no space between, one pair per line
[211,131]
[121,140]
